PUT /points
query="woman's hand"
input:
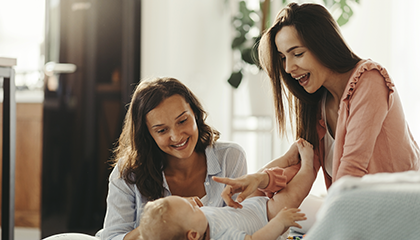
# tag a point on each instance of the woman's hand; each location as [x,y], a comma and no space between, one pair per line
[248,184]
[245,185]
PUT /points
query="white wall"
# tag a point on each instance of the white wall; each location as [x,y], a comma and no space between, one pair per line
[21,37]
[405,60]
[369,30]
[190,40]
[388,32]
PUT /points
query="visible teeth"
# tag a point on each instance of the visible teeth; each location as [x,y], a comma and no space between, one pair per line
[180,145]
[298,78]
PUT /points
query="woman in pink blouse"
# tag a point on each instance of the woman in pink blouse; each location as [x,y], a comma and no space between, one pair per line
[347,107]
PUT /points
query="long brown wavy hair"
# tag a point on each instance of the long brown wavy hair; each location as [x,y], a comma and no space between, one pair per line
[142,160]
[319,32]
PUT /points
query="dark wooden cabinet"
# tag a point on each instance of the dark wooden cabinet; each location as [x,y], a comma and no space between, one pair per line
[83,116]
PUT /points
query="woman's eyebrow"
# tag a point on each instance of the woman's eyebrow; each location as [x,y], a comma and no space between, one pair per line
[157,125]
[292,48]
[180,115]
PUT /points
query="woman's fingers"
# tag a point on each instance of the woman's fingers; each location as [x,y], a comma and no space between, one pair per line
[227,194]
[245,186]
[233,186]
[224,180]
[246,191]
[236,184]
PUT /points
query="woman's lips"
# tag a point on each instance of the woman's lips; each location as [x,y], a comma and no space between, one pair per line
[181,145]
[303,80]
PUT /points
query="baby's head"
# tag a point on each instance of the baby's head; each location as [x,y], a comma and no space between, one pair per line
[172,217]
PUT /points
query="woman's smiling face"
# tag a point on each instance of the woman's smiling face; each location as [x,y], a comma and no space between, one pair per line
[173,127]
[298,61]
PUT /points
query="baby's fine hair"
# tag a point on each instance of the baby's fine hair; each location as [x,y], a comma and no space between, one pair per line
[157,222]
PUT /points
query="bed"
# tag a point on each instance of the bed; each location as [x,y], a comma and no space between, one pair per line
[377,206]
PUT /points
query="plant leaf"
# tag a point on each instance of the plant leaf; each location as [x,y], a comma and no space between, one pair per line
[235,79]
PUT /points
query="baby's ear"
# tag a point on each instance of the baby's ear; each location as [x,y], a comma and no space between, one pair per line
[193,235]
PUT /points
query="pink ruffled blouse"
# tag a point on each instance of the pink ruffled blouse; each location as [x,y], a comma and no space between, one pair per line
[372,135]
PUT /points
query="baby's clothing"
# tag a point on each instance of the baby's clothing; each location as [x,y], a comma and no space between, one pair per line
[234,224]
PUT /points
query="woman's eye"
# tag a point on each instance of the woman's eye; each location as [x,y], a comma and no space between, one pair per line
[183,121]
[160,131]
[298,54]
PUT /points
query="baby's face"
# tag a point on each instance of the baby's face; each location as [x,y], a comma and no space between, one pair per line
[186,211]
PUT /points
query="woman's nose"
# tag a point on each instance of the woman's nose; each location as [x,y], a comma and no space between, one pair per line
[289,66]
[175,135]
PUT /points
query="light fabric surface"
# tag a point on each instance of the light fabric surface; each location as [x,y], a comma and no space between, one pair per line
[125,203]
[234,224]
[71,236]
[377,206]
[310,206]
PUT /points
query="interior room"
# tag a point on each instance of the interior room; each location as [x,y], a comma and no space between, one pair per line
[77,63]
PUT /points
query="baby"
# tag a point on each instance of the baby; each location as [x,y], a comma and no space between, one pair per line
[259,217]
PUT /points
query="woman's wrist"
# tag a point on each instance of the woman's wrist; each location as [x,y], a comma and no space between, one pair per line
[276,181]
[263,178]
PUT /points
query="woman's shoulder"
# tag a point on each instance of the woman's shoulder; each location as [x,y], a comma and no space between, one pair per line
[222,146]
[367,69]
[115,173]
[223,150]
[116,180]
[368,65]
[226,158]
[118,171]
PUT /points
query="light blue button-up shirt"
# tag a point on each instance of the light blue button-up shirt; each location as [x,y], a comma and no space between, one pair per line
[125,202]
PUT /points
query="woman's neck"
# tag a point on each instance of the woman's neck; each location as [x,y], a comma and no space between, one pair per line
[337,85]
[186,167]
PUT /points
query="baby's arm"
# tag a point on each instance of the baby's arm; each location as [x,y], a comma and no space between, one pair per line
[279,224]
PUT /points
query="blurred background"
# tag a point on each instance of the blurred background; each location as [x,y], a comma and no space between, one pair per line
[78,61]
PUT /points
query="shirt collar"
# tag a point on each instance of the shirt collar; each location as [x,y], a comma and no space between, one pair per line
[213,163]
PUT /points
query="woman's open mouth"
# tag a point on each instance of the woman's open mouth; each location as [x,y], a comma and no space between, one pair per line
[303,80]
[181,144]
